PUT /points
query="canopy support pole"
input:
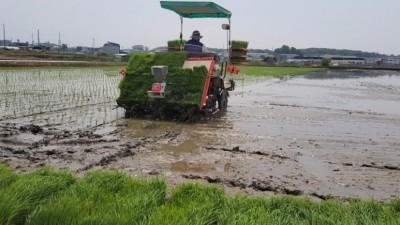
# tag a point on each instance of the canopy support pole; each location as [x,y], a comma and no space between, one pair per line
[229,40]
[180,36]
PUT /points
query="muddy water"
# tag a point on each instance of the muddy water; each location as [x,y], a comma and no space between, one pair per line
[340,123]
[330,134]
[372,92]
[333,133]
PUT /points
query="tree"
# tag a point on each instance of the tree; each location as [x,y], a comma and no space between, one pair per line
[343,52]
[139,48]
[324,62]
[64,47]
[285,49]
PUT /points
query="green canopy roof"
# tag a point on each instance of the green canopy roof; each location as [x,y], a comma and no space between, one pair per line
[196,9]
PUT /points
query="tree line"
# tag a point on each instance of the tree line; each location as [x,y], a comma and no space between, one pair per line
[285,49]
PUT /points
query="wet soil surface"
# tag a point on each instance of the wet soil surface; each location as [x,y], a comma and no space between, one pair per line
[324,135]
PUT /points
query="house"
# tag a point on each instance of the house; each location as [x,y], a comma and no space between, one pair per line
[48,46]
[86,50]
[374,61]
[253,55]
[5,43]
[283,58]
[111,48]
[159,49]
[20,44]
[306,60]
[335,61]
[391,61]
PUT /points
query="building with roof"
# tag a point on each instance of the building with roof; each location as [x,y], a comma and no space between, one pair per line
[335,61]
[305,60]
[5,43]
[373,61]
[391,61]
[111,48]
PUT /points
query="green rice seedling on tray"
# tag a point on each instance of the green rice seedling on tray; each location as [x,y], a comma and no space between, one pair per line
[175,45]
[238,52]
[180,82]
[237,44]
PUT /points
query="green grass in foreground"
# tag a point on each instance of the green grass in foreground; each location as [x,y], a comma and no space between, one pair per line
[277,72]
[47,196]
[102,198]
[25,193]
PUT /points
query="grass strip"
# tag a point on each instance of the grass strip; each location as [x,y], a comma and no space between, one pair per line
[7,176]
[103,198]
[190,204]
[276,72]
[22,197]
[282,210]
[46,197]
[292,210]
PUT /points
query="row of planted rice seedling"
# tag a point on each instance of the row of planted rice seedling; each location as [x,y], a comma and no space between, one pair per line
[47,196]
[40,91]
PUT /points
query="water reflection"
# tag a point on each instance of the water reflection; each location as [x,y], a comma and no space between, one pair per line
[350,90]
[349,74]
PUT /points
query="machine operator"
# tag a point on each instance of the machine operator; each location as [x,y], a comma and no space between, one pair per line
[194,44]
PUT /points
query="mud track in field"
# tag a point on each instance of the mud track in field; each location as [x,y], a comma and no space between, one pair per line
[320,138]
[26,147]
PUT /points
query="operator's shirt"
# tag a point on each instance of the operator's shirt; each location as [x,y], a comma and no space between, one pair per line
[216,72]
[194,46]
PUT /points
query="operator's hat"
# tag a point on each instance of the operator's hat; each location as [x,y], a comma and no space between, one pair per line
[196,33]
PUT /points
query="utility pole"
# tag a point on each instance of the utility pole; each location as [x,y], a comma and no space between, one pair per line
[59,42]
[38,40]
[32,39]
[93,46]
[4,35]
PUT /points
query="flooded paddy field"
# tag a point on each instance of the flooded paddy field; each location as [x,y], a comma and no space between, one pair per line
[330,134]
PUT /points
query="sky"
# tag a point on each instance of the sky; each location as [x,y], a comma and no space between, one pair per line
[366,25]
